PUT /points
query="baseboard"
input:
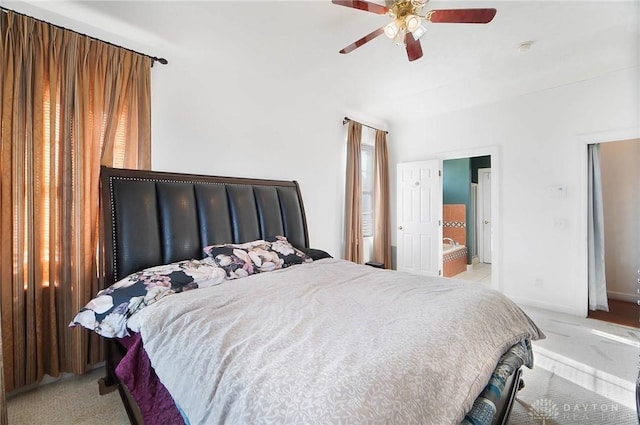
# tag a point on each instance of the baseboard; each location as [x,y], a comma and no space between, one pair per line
[567,309]
[559,308]
[621,296]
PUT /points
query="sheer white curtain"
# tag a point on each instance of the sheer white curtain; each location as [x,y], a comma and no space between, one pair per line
[597,278]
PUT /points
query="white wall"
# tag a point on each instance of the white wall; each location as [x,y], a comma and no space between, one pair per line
[620,170]
[541,141]
[230,121]
[226,125]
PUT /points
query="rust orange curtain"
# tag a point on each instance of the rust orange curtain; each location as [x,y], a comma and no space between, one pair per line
[4,418]
[68,105]
[381,214]
[353,201]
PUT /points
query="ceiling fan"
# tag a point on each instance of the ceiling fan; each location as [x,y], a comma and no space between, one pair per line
[408,24]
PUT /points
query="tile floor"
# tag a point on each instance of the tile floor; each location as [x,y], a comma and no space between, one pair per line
[599,356]
[479,272]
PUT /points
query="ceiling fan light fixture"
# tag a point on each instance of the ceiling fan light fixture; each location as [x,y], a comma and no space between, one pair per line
[418,3]
[412,22]
[399,38]
[419,32]
[392,29]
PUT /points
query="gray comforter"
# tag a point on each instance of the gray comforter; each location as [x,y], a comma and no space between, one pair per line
[330,342]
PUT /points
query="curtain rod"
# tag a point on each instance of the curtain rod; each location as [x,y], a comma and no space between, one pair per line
[347,119]
[154,59]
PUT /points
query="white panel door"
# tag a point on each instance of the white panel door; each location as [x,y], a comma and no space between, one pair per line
[419,217]
[484,225]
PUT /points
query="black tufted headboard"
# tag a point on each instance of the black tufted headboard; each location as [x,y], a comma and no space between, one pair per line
[153,218]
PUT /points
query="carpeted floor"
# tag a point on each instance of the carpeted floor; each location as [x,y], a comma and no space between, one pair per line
[546,399]
[71,401]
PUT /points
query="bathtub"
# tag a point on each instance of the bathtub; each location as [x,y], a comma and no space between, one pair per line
[454,259]
[448,247]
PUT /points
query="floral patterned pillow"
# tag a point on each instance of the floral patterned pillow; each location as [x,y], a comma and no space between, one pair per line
[107,314]
[241,260]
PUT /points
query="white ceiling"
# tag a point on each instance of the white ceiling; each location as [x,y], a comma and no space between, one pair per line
[297,43]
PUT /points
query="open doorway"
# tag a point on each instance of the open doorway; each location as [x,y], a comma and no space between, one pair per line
[619,174]
[467,219]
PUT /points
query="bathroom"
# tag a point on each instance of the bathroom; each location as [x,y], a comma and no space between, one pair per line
[466,243]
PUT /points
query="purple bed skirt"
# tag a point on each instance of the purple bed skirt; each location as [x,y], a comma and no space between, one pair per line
[135,371]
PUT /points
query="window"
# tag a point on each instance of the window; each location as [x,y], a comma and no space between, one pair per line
[50,169]
[367,181]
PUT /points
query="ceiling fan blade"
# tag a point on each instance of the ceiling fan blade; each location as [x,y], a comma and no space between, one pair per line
[367,38]
[414,49]
[461,16]
[363,5]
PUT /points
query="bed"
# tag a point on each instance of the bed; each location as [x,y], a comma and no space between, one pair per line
[261,328]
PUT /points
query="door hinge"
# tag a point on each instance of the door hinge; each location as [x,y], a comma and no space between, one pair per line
[440,272]
[439,222]
[440,173]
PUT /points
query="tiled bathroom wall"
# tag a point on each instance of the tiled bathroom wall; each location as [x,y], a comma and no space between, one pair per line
[454,222]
